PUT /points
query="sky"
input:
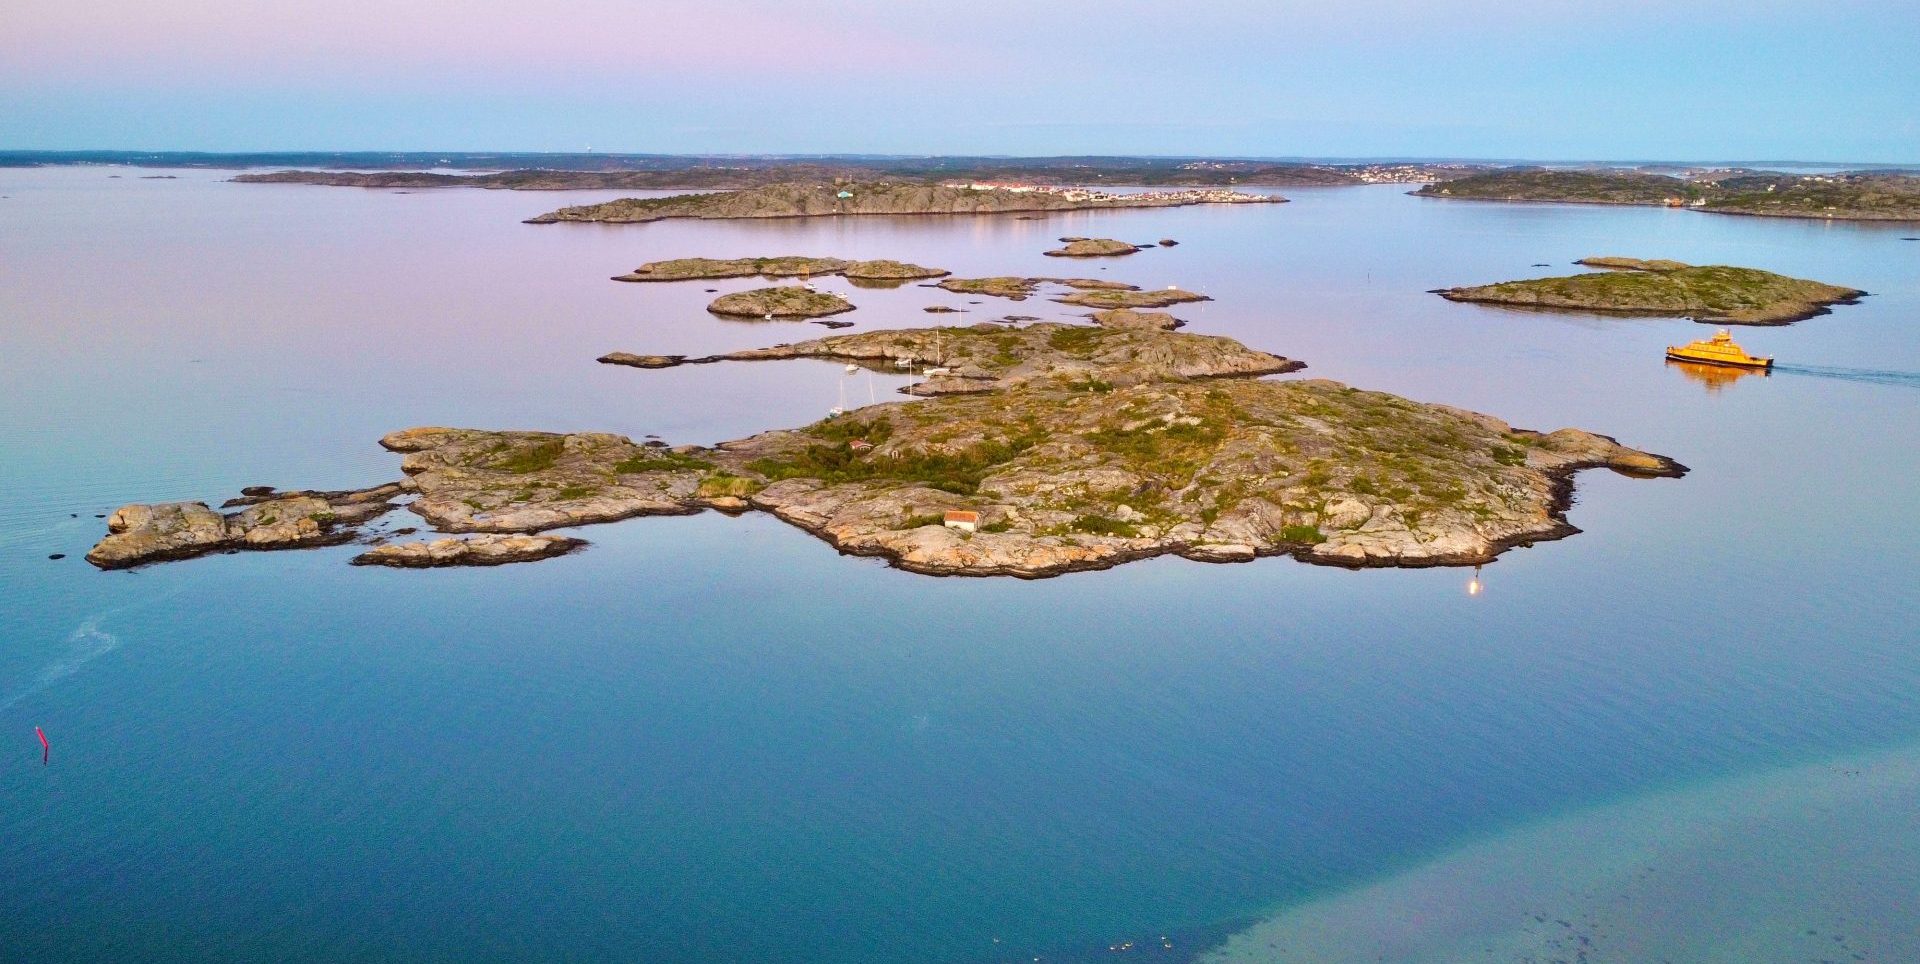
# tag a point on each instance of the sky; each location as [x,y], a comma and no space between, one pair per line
[1837,80]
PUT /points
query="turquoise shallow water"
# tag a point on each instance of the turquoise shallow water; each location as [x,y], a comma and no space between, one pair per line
[715,739]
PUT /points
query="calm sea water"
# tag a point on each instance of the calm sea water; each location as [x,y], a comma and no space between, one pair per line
[714,739]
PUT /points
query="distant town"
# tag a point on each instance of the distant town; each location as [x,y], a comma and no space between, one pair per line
[1081,194]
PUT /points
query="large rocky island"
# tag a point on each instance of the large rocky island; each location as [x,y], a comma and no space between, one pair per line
[815,199]
[1038,451]
[1630,286]
[1845,196]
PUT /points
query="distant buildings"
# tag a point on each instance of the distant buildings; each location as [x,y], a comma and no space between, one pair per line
[1212,195]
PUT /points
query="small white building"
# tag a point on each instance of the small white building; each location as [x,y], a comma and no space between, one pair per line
[965,521]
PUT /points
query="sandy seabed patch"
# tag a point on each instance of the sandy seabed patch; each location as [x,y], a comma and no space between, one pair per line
[1815,863]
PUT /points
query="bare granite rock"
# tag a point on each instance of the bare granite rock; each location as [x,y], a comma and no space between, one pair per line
[641,361]
[142,533]
[988,357]
[1012,289]
[1223,471]
[787,266]
[481,550]
[1020,289]
[1113,298]
[784,302]
[476,481]
[1092,248]
[1128,318]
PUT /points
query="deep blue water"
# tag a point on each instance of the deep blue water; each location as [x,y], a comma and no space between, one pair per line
[715,739]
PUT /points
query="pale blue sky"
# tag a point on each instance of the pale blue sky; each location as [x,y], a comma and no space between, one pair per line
[1625,79]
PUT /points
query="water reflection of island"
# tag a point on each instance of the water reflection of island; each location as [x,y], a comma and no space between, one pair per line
[1714,377]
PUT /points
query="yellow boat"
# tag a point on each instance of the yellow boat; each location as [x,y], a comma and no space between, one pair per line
[1718,350]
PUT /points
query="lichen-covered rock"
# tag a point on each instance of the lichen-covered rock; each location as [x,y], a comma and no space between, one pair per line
[1157,298]
[139,533]
[1713,293]
[1092,248]
[1066,480]
[1010,288]
[783,302]
[1129,318]
[641,361]
[480,550]
[883,269]
[788,266]
[470,480]
[987,357]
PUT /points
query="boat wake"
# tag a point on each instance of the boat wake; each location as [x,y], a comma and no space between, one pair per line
[84,645]
[1869,375]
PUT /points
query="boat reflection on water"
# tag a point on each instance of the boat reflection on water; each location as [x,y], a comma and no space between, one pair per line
[1715,377]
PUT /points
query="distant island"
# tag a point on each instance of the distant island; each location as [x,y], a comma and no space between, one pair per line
[1850,196]
[1713,293]
[581,171]
[799,200]
[1036,451]
[532,179]
[788,266]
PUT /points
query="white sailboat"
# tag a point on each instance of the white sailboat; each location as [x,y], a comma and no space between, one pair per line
[840,409]
[936,368]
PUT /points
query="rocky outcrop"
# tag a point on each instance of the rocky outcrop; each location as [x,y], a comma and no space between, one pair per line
[1226,471]
[784,302]
[641,361]
[1092,248]
[788,266]
[1613,263]
[987,357]
[1012,289]
[1714,293]
[1127,318]
[887,270]
[1020,289]
[1111,298]
[470,480]
[481,550]
[692,269]
[142,533]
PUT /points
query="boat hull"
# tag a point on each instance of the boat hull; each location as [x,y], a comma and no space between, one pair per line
[1758,364]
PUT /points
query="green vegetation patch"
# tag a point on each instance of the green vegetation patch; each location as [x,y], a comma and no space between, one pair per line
[660,460]
[835,461]
[531,457]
